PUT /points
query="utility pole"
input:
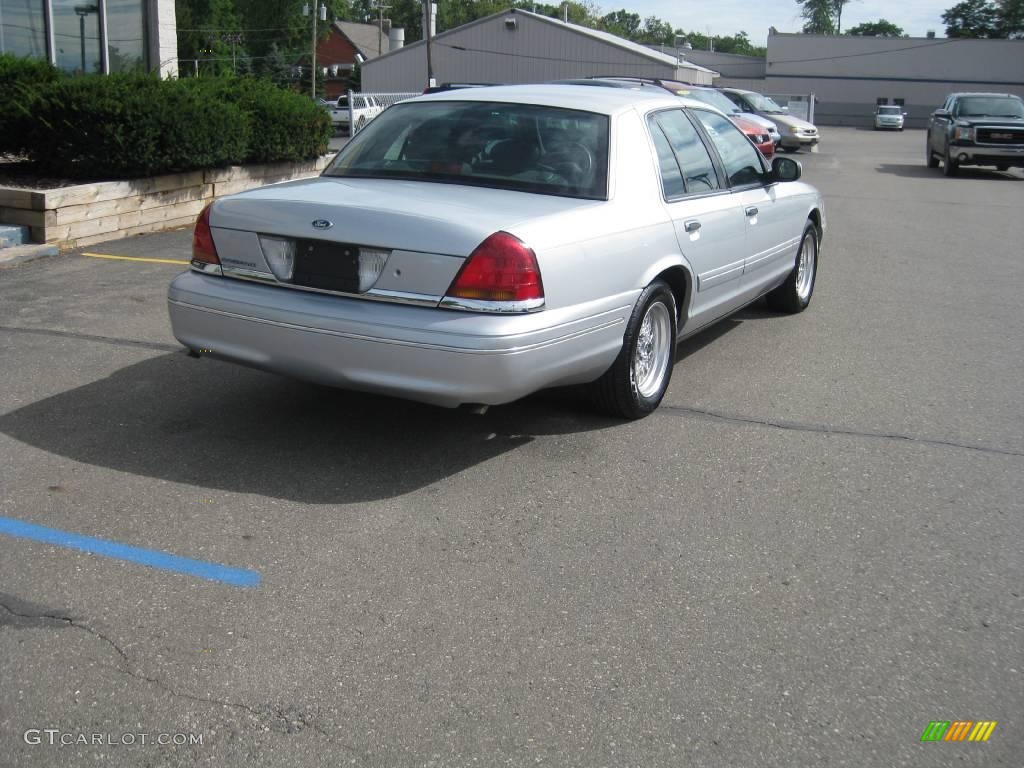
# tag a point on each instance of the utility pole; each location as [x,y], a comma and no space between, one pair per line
[312,63]
[380,27]
[428,19]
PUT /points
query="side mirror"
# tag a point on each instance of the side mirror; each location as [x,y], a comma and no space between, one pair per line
[941,113]
[785,169]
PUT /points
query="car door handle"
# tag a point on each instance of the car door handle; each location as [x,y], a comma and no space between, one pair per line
[752,210]
[691,226]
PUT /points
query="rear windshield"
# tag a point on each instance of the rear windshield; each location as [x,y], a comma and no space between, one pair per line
[714,98]
[522,147]
[343,102]
[990,106]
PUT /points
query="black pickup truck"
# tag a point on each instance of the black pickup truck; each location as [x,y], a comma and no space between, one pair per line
[977,129]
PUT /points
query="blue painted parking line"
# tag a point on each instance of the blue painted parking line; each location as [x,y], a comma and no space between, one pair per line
[149,557]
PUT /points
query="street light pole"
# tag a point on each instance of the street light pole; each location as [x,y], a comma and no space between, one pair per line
[83,11]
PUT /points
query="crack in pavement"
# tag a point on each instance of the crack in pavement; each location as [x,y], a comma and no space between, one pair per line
[293,719]
[90,337]
[825,429]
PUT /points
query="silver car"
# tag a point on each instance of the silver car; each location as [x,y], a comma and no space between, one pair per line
[471,247]
[889,117]
[796,133]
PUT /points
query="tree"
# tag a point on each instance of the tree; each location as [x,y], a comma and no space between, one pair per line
[971,18]
[838,6]
[622,23]
[1010,21]
[880,28]
[817,16]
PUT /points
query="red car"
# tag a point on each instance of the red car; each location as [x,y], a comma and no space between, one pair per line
[755,132]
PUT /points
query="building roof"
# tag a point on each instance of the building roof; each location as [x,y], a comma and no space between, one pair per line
[605,37]
[364,38]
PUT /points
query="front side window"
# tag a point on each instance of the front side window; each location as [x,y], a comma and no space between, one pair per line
[523,147]
[696,164]
[742,161]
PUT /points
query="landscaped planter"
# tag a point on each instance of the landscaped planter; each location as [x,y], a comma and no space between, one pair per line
[84,214]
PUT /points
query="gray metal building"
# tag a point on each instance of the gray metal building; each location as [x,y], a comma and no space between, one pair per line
[517,46]
[850,75]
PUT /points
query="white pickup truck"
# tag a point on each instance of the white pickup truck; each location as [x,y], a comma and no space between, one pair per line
[364,109]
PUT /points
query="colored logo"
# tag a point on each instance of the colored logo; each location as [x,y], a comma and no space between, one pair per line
[958,730]
[323,224]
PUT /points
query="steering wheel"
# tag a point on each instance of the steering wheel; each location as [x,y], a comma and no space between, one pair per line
[574,153]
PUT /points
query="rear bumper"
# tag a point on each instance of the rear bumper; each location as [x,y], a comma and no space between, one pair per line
[432,355]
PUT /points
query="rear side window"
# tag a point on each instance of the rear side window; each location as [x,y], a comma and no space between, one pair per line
[742,161]
[698,170]
[671,177]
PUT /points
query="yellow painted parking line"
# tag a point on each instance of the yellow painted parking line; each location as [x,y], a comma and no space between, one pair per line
[135,258]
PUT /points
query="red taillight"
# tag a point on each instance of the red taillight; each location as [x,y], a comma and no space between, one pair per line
[203,248]
[500,269]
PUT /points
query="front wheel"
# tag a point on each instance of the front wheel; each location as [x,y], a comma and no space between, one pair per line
[795,293]
[949,165]
[638,379]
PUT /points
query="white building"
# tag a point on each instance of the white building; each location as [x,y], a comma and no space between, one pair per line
[517,46]
[93,35]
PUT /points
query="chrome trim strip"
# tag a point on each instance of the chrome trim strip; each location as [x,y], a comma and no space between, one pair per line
[720,275]
[250,274]
[398,342]
[402,297]
[374,294]
[771,253]
[206,268]
[502,307]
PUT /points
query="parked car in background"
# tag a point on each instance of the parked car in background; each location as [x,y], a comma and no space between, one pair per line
[976,129]
[474,246]
[889,117]
[796,133]
[364,109]
[763,138]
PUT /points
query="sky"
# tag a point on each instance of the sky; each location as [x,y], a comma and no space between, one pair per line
[726,17]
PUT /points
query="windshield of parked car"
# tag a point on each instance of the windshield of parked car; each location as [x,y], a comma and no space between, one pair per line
[763,103]
[523,147]
[343,102]
[714,98]
[990,106]
[890,110]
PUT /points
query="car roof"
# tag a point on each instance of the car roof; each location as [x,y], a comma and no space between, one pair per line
[608,101]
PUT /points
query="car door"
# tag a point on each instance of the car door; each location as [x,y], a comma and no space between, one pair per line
[708,222]
[938,129]
[773,219]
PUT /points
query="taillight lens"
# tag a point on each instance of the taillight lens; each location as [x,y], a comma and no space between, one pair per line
[203,249]
[500,269]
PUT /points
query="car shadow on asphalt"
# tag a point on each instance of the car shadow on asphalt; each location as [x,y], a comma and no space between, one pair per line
[221,426]
[921,171]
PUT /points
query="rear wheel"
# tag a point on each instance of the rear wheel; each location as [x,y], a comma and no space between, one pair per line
[638,379]
[949,165]
[795,294]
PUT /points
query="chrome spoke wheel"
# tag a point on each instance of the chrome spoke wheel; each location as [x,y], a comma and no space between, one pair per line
[806,265]
[652,354]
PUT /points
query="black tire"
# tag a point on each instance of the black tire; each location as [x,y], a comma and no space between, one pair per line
[949,165]
[1002,167]
[932,160]
[783,147]
[794,295]
[616,392]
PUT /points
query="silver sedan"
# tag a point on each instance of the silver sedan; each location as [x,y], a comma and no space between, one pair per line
[471,247]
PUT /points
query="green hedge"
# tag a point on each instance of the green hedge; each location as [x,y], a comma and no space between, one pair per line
[129,125]
[21,83]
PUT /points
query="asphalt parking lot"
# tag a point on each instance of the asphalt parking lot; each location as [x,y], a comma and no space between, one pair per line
[812,550]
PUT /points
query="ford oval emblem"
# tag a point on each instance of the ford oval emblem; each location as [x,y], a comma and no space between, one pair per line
[323,224]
